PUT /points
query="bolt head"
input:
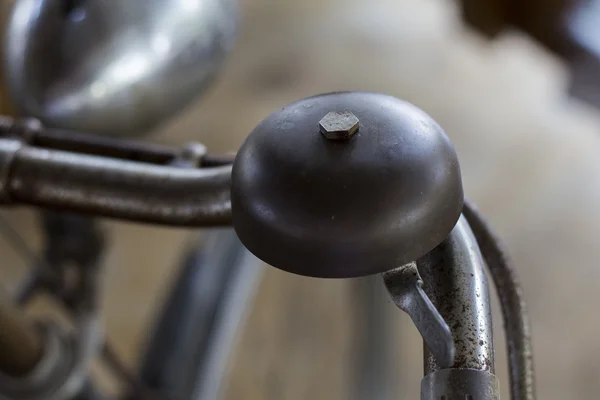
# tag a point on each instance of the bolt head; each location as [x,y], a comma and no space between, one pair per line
[338,125]
[192,153]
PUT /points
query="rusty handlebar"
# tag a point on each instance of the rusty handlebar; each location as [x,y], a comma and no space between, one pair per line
[135,181]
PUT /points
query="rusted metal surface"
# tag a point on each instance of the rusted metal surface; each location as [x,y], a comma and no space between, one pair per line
[460,384]
[514,310]
[116,188]
[20,343]
[454,279]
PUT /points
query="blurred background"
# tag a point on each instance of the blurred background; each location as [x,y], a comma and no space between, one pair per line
[529,152]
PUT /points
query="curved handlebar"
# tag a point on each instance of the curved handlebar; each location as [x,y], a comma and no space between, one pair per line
[111,187]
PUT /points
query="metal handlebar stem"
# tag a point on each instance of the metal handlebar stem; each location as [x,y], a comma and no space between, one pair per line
[454,278]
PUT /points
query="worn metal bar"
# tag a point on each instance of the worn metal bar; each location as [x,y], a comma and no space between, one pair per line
[117,148]
[133,150]
[104,146]
[514,310]
[454,279]
[110,187]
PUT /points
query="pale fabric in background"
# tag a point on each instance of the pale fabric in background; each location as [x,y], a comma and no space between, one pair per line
[530,158]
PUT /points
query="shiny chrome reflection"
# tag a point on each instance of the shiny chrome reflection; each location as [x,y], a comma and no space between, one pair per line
[114,67]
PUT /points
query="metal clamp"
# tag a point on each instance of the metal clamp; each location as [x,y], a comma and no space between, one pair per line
[191,155]
[460,384]
[406,289]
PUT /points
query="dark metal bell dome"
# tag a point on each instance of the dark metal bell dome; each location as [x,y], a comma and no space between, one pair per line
[345,184]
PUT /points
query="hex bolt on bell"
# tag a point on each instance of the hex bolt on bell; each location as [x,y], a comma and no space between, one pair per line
[339,125]
[351,184]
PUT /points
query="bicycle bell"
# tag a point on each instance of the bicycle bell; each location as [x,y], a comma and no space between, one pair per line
[113,67]
[345,184]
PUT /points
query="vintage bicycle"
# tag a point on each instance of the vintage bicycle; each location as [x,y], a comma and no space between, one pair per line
[339,185]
